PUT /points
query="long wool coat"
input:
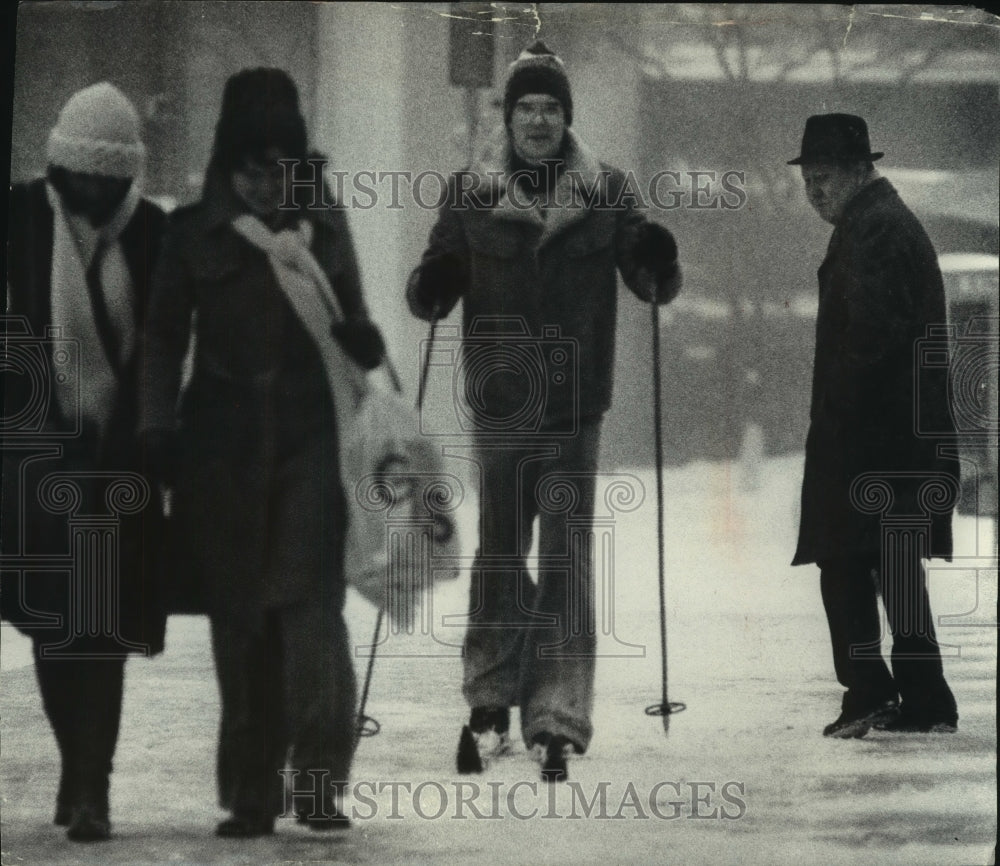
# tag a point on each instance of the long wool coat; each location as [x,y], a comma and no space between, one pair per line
[44,600]
[258,512]
[880,399]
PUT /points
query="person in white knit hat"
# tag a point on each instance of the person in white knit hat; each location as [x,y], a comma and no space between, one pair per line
[95,153]
[81,246]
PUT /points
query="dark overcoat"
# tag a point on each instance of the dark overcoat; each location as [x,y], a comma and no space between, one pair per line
[68,489]
[880,422]
[255,423]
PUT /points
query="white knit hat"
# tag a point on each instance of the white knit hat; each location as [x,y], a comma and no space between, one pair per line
[98,132]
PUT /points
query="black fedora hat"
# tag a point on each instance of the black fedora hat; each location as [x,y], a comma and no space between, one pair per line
[835,138]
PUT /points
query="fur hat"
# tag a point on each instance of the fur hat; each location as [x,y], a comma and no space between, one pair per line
[537,70]
[260,109]
[98,132]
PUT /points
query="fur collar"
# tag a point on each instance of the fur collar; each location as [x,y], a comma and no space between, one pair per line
[552,215]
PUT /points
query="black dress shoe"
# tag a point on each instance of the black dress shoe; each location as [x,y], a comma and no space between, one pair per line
[920,723]
[854,723]
[245,827]
[89,823]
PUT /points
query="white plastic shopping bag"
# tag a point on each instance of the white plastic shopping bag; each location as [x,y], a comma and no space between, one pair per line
[402,536]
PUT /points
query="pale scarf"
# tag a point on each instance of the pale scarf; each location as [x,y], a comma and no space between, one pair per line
[74,244]
[311,296]
[374,432]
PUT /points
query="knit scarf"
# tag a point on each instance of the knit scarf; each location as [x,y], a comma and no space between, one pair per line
[74,244]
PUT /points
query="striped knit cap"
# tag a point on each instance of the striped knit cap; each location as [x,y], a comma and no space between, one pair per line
[537,70]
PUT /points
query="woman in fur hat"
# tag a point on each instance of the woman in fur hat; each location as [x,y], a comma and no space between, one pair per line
[252,453]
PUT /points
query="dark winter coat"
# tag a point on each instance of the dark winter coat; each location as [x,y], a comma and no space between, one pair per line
[877,405]
[257,514]
[35,523]
[548,286]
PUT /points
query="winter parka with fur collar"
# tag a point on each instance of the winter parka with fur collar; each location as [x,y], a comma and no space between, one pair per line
[537,277]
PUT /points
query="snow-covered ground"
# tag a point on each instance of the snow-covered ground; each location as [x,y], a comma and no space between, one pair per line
[742,776]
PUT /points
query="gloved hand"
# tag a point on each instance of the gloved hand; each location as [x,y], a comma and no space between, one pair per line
[441,282]
[158,453]
[655,251]
[361,339]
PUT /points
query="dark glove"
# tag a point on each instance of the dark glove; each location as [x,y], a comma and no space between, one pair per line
[159,456]
[441,282]
[361,339]
[656,250]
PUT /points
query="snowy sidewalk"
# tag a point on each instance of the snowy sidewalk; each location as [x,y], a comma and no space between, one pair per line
[744,775]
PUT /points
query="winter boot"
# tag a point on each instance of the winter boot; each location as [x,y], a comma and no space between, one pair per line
[856,718]
[328,817]
[921,722]
[89,821]
[487,736]
[552,752]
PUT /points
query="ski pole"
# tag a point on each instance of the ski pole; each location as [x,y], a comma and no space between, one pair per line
[666,707]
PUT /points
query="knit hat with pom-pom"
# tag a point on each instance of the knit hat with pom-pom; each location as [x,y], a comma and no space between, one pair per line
[537,70]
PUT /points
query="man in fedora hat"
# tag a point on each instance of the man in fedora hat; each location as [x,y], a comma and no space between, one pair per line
[880,289]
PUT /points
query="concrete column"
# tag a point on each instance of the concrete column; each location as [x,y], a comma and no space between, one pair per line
[359,125]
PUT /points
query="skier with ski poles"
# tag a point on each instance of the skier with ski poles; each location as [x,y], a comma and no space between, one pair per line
[530,239]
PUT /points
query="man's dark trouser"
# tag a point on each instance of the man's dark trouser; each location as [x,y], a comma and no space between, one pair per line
[83,702]
[850,596]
